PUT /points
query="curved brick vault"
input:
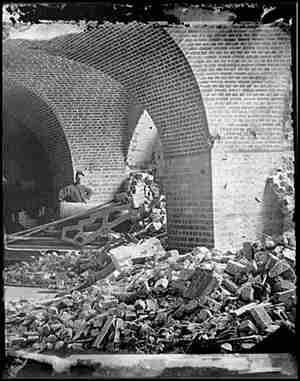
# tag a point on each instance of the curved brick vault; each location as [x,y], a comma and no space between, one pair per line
[152,69]
[32,112]
[150,65]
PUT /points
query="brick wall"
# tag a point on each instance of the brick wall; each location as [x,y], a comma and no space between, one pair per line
[22,110]
[147,61]
[154,71]
[188,190]
[243,72]
[91,108]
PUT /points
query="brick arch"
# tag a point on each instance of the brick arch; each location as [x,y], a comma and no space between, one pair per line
[153,69]
[33,112]
[151,66]
[91,107]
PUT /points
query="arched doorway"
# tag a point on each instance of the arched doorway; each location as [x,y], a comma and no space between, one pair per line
[36,158]
[153,69]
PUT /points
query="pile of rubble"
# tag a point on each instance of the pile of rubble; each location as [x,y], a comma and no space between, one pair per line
[55,270]
[159,301]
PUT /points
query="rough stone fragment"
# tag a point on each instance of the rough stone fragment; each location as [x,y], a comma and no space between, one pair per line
[272,328]
[129,315]
[261,317]
[119,325]
[51,339]
[213,305]
[247,263]
[190,306]
[240,311]
[235,268]
[226,347]
[261,258]
[109,322]
[163,282]
[289,255]
[287,297]
[247,293]
[271,261]
[203,282]
[284,269]
[59,345]
[247,251]
[229,285]
[269,243]
[247,327]
[283,285]
[204,315]
[140,305]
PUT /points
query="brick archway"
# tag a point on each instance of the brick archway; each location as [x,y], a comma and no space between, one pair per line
[152,69]
[151,66]
[32,112]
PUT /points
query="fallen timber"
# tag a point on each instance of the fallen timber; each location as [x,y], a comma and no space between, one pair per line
[86,228]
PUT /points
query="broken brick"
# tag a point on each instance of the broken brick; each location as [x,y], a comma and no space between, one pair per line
[235,268]
[213,305]
[271,261]
[284,269]
[247,293]
[203,282]
[229,285]
[289,255]
[286,297]
[269,243]
[283,285]
[247,251]
[261,317]
[203,315]
[247,327]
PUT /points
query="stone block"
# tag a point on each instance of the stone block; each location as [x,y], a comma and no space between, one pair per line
[235,268]
[203,282]
[261,317]
[247,327]
[229,285]
[247,293]
[283,269]
[247,251]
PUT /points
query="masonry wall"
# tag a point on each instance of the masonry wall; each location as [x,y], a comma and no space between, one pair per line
[147,61]
[91,107]
[243,72]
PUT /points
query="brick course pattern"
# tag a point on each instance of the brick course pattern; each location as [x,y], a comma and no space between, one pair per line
[24,106]
[147,61]
[244,75]
[91,108]
[243,72]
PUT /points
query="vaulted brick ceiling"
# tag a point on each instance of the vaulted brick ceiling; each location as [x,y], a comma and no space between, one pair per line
[151,66]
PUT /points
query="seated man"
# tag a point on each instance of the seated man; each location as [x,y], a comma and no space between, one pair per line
[75,192]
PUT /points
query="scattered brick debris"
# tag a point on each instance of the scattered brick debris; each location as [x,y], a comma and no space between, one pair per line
[162,304]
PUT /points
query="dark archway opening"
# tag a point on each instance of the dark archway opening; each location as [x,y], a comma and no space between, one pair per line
[36,159]
[29,197]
